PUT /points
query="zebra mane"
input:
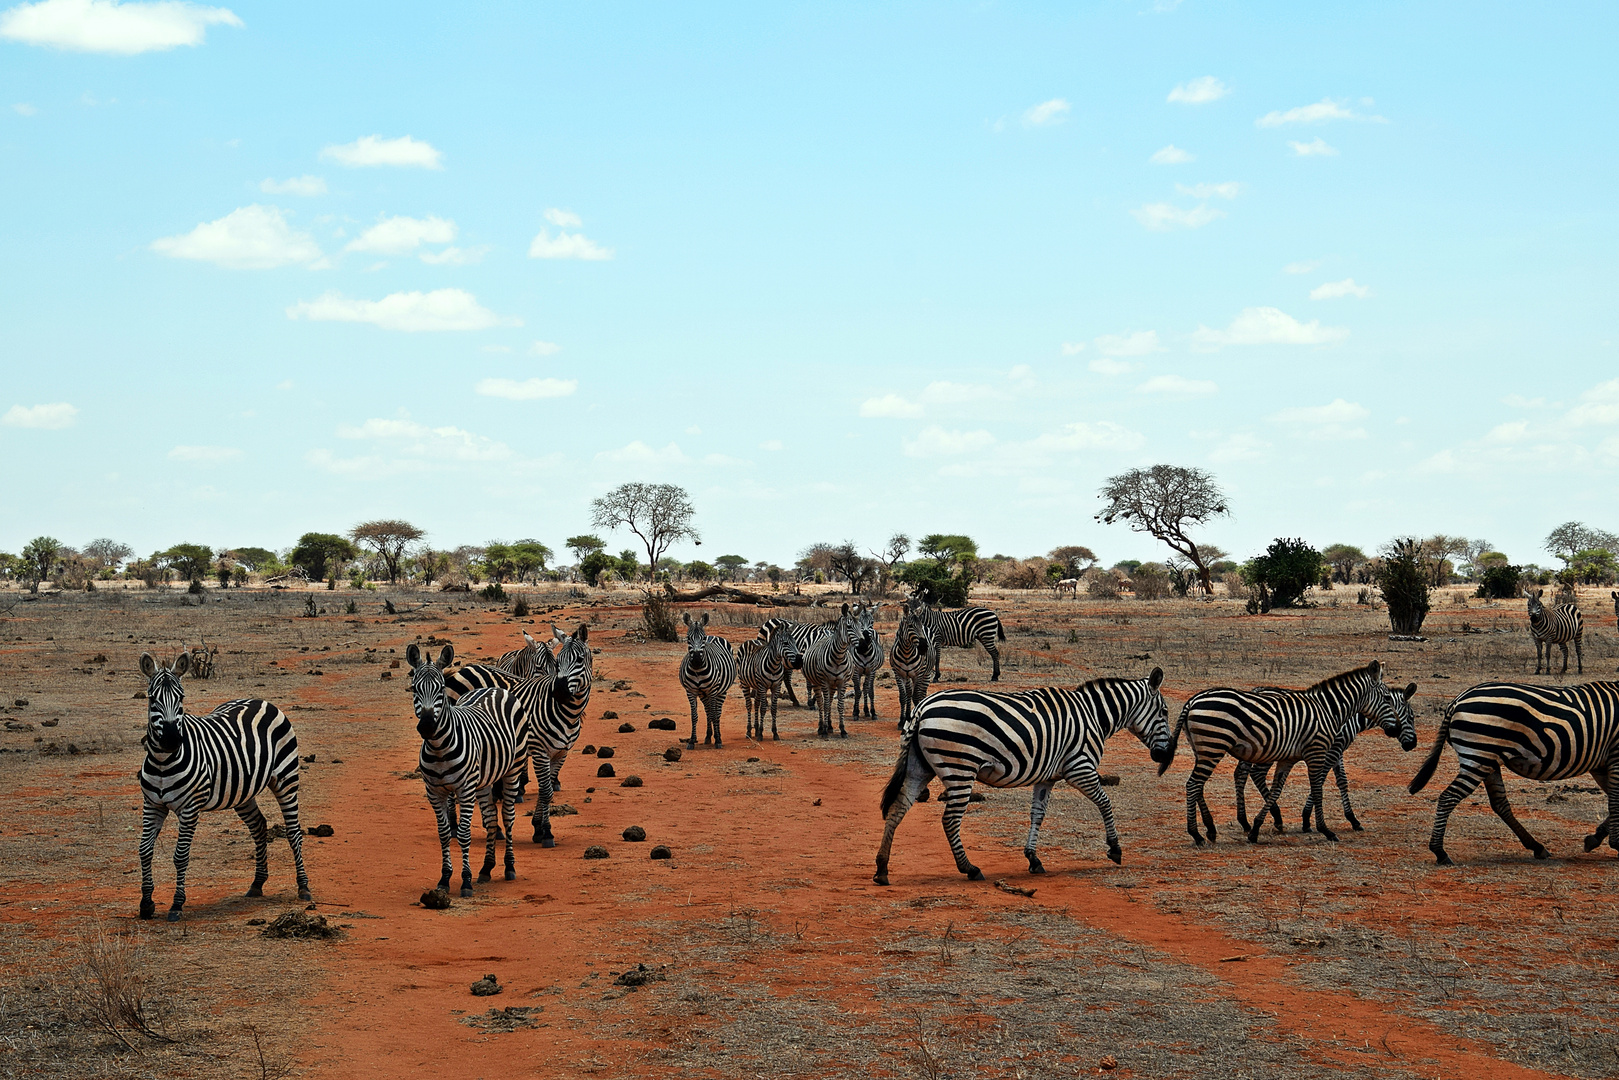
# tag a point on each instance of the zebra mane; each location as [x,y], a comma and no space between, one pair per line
[1333,682]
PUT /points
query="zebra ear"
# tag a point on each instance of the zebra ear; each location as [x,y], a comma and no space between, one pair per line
[148,665]
[413,655]
[685,617]
[445,656]
[846,609]
[182,664]
[582,634]
[705,618]
[529,638]
[1411,688]
[1156,679]
[558,633]
[1375,669]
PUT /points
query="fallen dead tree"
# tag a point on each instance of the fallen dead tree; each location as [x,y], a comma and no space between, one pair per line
[736,595]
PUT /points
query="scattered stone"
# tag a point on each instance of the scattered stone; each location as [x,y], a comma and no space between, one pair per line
[436,899]
[609,715]
[590,791]
[977,796]
[1110,779]
[753,759]
[596,851]
[630,781]
[1108,1063]
[138,695]
[488,986]
[635,834]
[672,754]
[393,663]
[662,852]
[817,802]
[20,702]
[606,769]
[387,674]
[301,925]
[638,976]
[662,723]
[604,751]
[321,830]
[257,922]
[16,725]
[590,748]
[625,728]
[52,722]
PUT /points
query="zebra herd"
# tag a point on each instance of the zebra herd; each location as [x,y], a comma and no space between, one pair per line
[484,726]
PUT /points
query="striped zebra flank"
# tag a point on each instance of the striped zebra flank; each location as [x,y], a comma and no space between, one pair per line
[554,706]
[220,761]
[868,661]
[472,753]
[1032,738]
[1270,725]
[1559,626]
[829,669]
[802,634]
[912,659]
[707,673]
[961,629]
[762,666]
[1539,732]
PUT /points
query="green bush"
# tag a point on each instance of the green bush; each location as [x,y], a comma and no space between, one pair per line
[1288,567]
[592,565]
[492,591]
[931,578]
[1403,577]
[1499,581]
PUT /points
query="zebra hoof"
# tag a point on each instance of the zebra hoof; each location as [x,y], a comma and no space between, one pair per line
[256,889]
[483,877]
[1540,852]
[776,736]
[1354,824]
[304,894]
[1440,858]
[466,891]
[880,879]
[1116,855]
[511,875]
[974,874]
[1593,842]
[148,909]
[1035,865]
[1330,835]
[545,841]
[1212,835]
[174,915]
[718,745]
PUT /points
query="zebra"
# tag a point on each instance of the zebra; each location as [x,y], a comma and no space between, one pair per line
[532,659]
[1314,725]
[868,660]
[555,707]
[802,634]
[707,672]
[912,659]
[1031,738]
[213,762]
[762,666]
[1540,732]
[962,629]
[828,670]
[1557,627]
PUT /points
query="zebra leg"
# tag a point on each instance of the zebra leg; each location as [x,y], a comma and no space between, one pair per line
[1317,771]
[1600,774]
[491,830]
[792,695]
[1194,798]
[857,697]
[955,807]
[253,818]
[152,818]
[917,776]
[544,784]
[823,712]
[715,708]
[1459,789]
[843,732]
[508,813]
[1272,800]
[1037,814]
[1090,784]
[903,685]
[1496,788]
[995,657]
[1564,646]
[443,808]
[463,832]
[774,734]
[522,782]
[1241,777]
[188,816]
[286,796]
[691,699]
[1579,654]
[1343,790]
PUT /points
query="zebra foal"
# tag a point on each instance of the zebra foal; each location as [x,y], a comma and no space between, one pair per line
[961,629]
[762,665]
[213,762]
[1033,738]
[706,673]
[1559,626]
[912,659]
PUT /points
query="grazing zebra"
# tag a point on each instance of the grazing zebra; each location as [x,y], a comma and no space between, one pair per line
[554,705]
[1559,626]
[912,659]
[962,629]
[706,672]
[532,659]
[1314,725]
[868,661]
[802,635]
[214,762]
[829,669]
[472,752]
[1036,737]
[1540,732]
[1069,585]
[762,666]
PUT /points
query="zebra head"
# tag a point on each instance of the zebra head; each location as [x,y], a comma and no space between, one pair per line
[780,639]
[1394,714]
[165,701]
[696,636]
[868,628]
[575,668]
[427,685]
[1537,610]
[1148,719]
[846,630]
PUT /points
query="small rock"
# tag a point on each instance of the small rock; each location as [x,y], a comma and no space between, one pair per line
[662,852]
[977,796]
[1110,780]
[635,834]
[753,759]
[625,729]
[436,899]
[630,781]
[387,674]
[609,715]
[488,986]
[1108,1063]
[20,702]
[595,851]
[817,802]
[662,723]
[590,748]
[52,722]
[321,830]
[672,754]
[604,751]
[393,663]
[606,769]
[257,922]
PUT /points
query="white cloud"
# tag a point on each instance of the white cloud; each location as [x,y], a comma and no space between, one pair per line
[639,453]
[251,238]
[563,219]
[1227,190]
[106,26]
[1598,405]
[307,186]
[1106,365]
[400,235]
[1054,111]
[1301,267]
[1269,326]
[771,445]
[544,348]
[454,256]
[952,393]
[1323,110]
[204,455]
[694,430]
[1163,216]
[1020,373]
[1199,91]
[43,417]
[22,108]
[1073,348]
[1338,419]
[1172,155]
[441,309]
[526,389]
[370,151]
[567,245]
[1102,435]
[1136,343]
[935,441]
[891,406]
[1332,290]
[408,437]
[1316,147]
[1177,385]
[1512,431]
[1239,447]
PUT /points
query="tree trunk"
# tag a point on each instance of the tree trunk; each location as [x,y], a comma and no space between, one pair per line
[730,592]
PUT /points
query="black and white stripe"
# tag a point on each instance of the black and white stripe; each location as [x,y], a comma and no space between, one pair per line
[762,666]
[912,660]
[802,634]
[1033,738]
[215,762]
[867,661]
[706,674]
[1539,732]
[1272,725]
[1559,626]
[829,669]
[962,629]
[532,659]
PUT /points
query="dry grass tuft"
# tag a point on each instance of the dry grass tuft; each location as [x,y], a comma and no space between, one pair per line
[114,986]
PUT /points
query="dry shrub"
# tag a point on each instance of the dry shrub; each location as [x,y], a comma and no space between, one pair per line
[1024,574]
[1151,581]
[1102,586]
[114,986]
[659,618]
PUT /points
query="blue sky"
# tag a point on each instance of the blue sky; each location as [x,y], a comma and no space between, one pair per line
[272,268]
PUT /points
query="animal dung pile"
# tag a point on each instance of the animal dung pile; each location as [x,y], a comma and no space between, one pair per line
[301,925]
[672,754]
[662,852]
[488,986]
[662,723]
[604,751]
[436,899]
[635,834]
[596,851]
[625,728]
[630,781]
[609,715]
[321,830]
[606,769]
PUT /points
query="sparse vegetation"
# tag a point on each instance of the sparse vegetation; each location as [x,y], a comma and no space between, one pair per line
[1403,579]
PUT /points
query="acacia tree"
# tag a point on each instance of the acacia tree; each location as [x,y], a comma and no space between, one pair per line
[658,514]
[1344,559]
[190,561]
[388,539]
[1075,558]
[730,564]
[898,546]
[107,553]
[1167,501]
[38,559]
[1573,537]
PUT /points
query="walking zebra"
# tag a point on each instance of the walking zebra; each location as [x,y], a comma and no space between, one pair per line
[828,670]
[912,659]
[1559,626]
[802,634]
[554,706]
[706,672]
[1314,725]
[762,666]
[1539,732]
[867,661]
[214,762]
[532,659]
[1036,737]
[962,629]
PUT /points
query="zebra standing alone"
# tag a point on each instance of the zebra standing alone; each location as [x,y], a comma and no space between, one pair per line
[1539,732]
[828,670]
[1036,737]
[912,659]
[868,661]
[555,707]
[961,629]
[706,672]
[762,665]
[1313,725]
[214,762]
[1559,626]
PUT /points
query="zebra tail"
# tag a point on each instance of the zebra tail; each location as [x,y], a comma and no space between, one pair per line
[1424,774]
[896,782]
[1175,739]
[1000,628]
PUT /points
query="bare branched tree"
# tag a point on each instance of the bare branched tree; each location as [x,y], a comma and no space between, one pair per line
[1166,501]
[388,539]
[658,514]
